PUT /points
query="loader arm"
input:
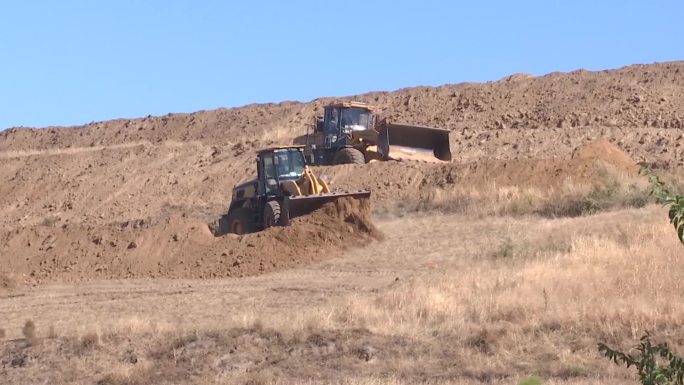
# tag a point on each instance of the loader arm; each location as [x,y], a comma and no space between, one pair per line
[309,184]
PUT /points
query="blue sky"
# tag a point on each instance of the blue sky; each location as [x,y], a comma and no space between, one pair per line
[72,62]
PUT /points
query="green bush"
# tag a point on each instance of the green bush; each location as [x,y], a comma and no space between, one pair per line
[532,380]
[666,197]
[655,364]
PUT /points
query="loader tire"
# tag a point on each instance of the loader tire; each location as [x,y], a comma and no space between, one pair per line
[271,214]
[238,221]
[349,155]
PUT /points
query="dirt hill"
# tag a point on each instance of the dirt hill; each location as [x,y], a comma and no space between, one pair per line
[69,193]
[519,116]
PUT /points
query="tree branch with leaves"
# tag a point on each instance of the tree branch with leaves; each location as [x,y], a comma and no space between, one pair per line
[665,196]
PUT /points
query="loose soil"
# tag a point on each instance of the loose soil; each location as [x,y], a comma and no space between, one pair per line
[181,247]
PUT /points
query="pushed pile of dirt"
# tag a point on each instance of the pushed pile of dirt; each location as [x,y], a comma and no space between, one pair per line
[344,214]
[589,165]
[608,153]
[180,247]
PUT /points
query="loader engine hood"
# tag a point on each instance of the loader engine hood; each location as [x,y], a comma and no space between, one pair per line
[244,190]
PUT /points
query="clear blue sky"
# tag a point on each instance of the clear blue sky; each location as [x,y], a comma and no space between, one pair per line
[72,62]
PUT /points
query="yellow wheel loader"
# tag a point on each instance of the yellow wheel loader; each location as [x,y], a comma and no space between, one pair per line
[352,132]
[284,188]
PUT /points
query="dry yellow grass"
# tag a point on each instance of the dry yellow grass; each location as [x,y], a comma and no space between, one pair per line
[446,299]
[617,190]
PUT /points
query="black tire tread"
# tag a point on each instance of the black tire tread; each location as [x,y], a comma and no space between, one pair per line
[272,208]
[349,155]
[243,214]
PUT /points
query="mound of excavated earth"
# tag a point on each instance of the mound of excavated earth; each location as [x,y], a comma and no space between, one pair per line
[393,182]
[132,197]
[180,247]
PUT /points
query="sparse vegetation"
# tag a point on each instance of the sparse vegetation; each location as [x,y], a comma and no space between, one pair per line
[616,191]
[532,380]
[528,249]
[655,364]
[89,341]
[460,308]
[29,332]
[615,194]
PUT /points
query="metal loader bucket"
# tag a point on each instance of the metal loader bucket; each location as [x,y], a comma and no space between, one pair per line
[403,141]
[297,206]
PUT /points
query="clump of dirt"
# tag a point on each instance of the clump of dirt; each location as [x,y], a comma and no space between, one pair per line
[6,282]
[182,247]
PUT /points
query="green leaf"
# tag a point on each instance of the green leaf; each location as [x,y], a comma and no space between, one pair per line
[664,196]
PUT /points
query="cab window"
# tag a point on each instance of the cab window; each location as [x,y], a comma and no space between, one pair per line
[269,170]
[289,163]
[331,119]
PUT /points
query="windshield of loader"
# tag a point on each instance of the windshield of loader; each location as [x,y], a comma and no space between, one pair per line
[289,163]
[356,118]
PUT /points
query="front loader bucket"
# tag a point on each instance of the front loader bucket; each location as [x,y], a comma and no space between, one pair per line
[403,141]
[297,206]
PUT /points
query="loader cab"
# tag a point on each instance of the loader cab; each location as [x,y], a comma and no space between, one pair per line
[278,164]
[340,120]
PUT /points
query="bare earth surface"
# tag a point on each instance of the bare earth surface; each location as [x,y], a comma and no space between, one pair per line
[486,269]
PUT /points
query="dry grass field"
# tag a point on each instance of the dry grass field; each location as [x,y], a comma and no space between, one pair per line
[450,296]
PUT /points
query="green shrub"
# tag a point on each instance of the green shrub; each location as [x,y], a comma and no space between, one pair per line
[531,380]
[666,197]
[655,364]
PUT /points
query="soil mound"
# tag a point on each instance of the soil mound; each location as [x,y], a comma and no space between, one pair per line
[608,153]
[180,247]
[596,163]
[353,213]
[589,165]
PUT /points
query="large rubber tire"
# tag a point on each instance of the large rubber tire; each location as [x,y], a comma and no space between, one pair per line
[237,221]
[271,214]
[349,155]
